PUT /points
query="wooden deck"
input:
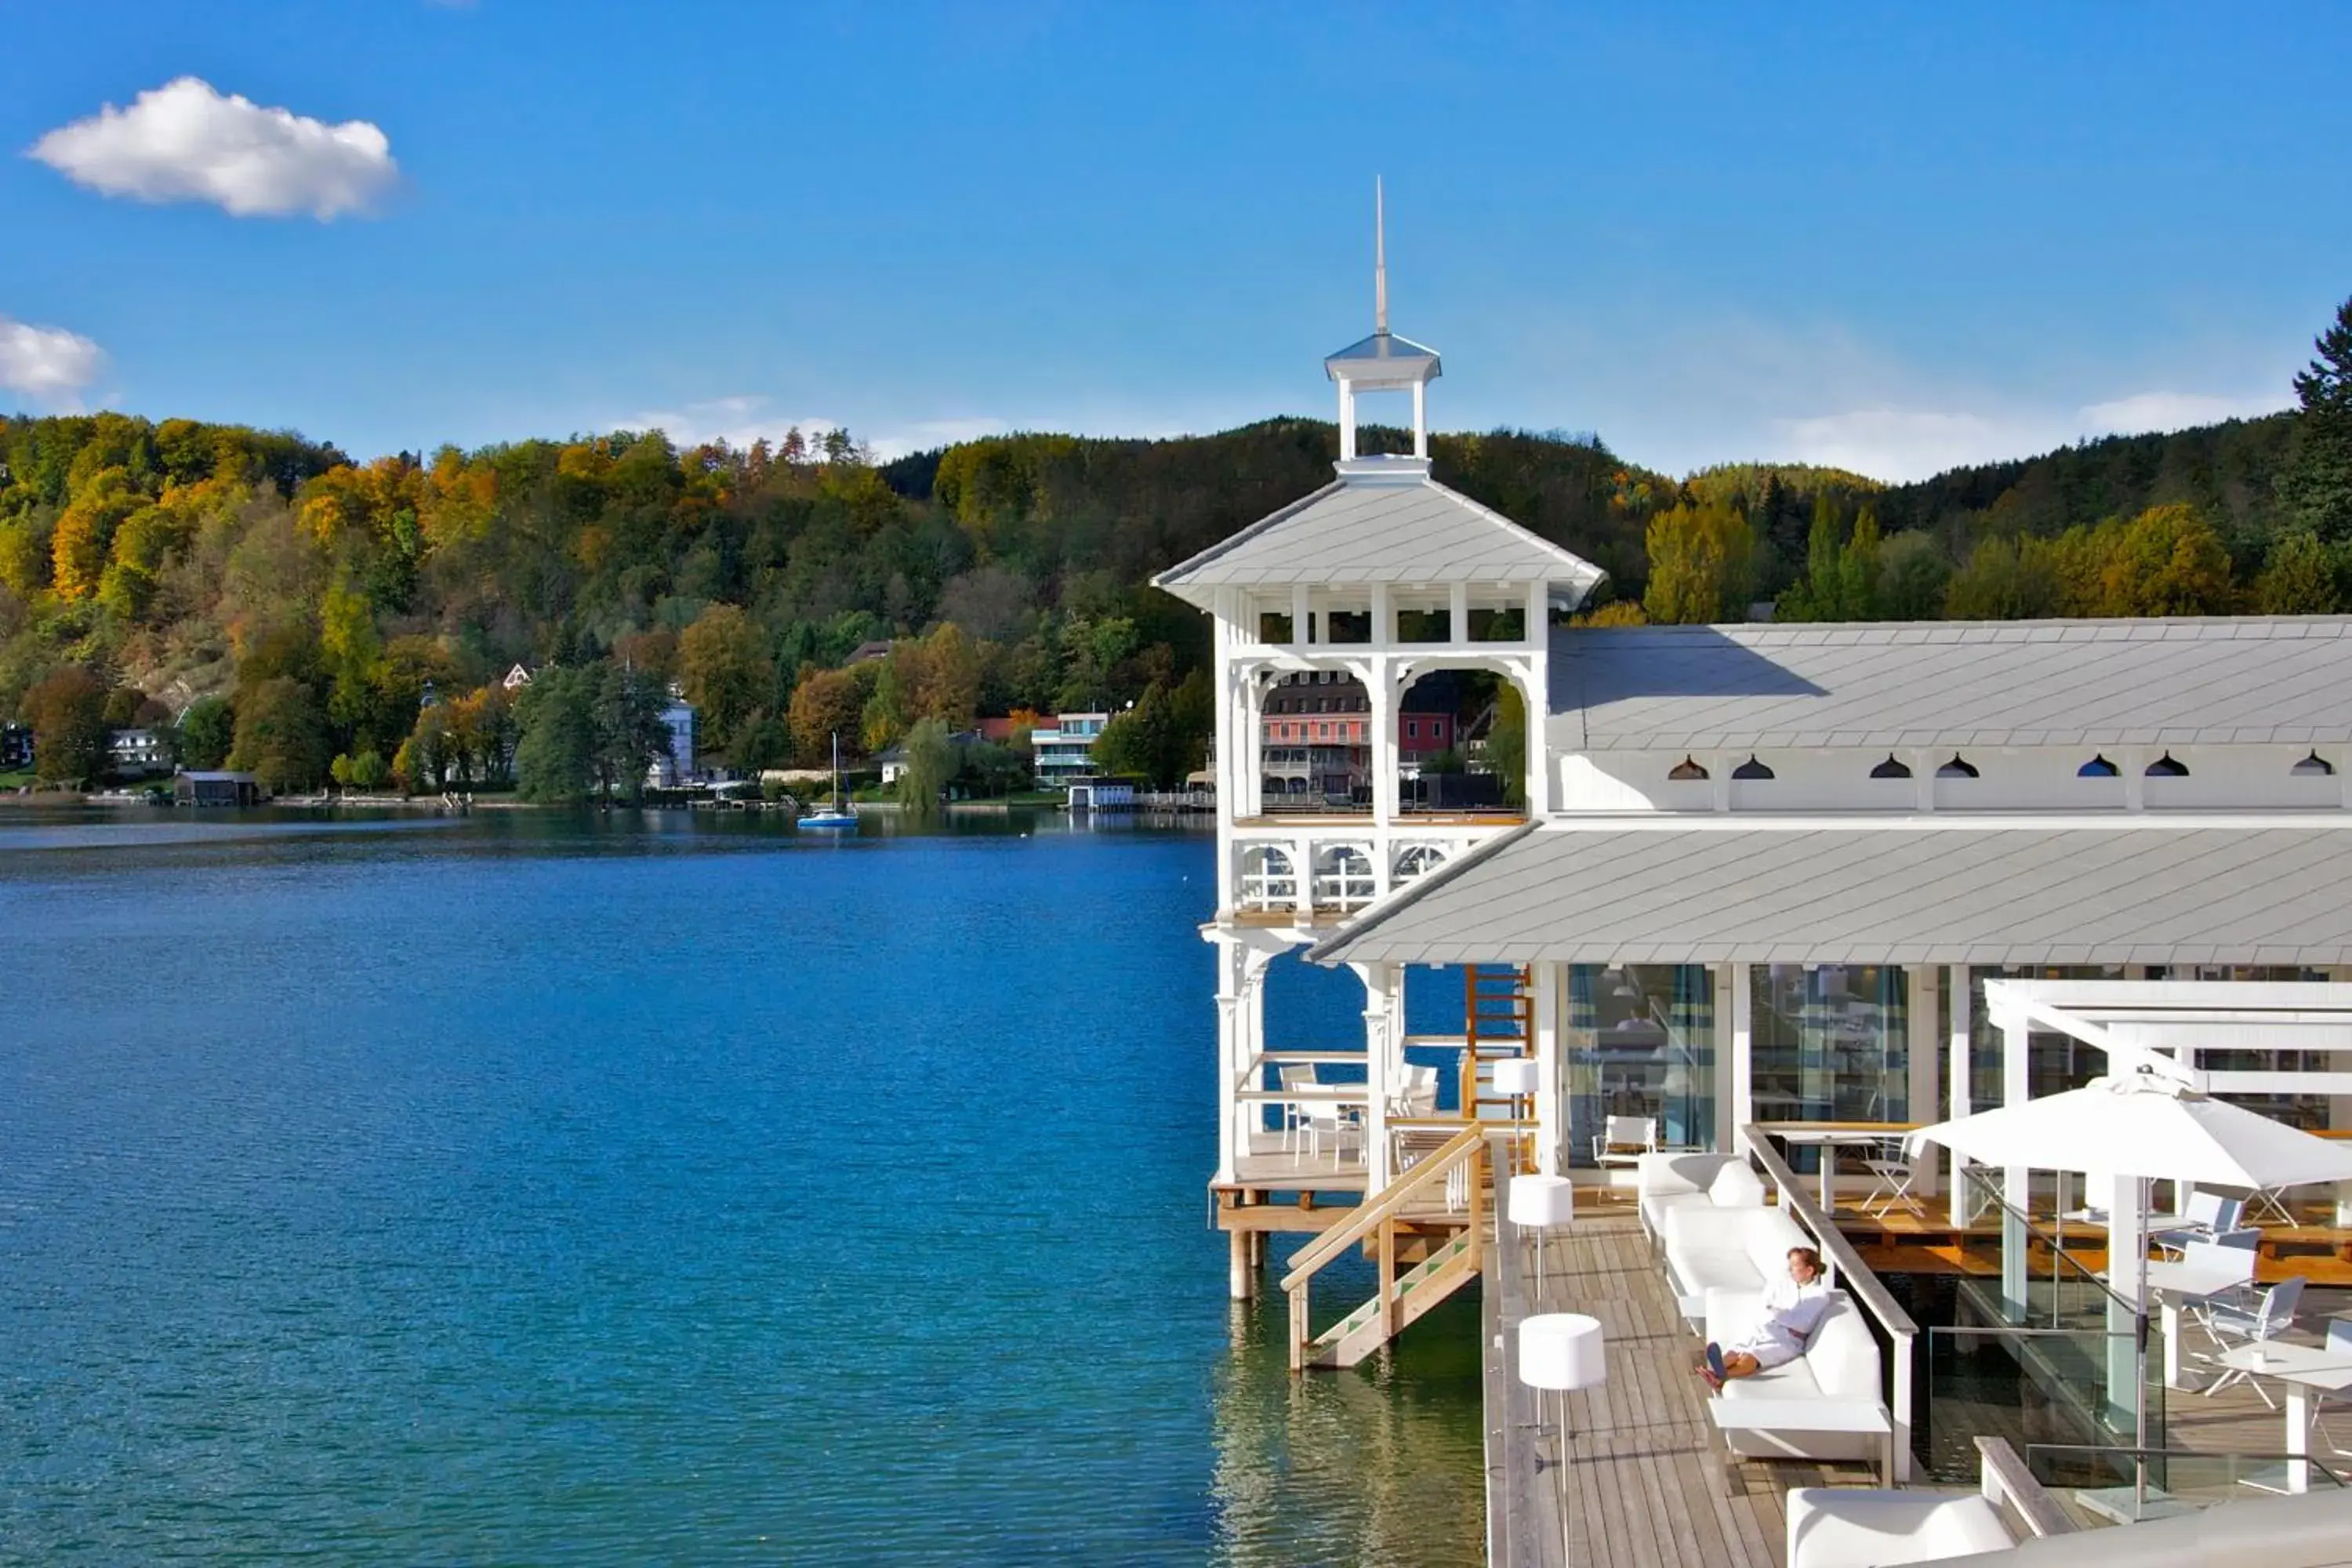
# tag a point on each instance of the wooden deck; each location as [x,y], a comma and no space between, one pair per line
[1649,1483]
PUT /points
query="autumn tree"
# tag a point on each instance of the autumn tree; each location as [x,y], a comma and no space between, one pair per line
[1700,556]
[67,711]
[722,666]
[825,703]
[947,686]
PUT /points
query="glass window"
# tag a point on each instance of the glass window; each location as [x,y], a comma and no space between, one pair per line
[1831,1043]
[1641,1042]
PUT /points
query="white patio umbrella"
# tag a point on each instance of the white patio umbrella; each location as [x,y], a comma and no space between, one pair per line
[2151,1126]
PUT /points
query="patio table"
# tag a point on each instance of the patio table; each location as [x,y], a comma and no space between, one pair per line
[2302,1368]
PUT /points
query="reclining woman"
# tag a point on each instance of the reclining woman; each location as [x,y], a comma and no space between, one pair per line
[1791,1309]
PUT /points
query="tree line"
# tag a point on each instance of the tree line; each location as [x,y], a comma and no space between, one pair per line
[317,619]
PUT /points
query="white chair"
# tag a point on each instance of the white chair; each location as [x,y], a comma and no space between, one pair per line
[1895,1171]
[2202,1217]
[2340,1342]
[2269,1317]
[1294,1112]
[1418,1095]
[1624,1139]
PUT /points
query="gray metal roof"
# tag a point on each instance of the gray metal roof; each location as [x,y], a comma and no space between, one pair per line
[1384,360]
[1894,891]
[1954,683]
[1397,526]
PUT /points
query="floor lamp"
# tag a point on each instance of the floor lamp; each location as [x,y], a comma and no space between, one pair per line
[1519,1077]
[1560,1353]
[1540,1204]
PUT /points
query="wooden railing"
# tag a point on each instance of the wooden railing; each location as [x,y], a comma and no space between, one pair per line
[1851,1273]
[1378,1217]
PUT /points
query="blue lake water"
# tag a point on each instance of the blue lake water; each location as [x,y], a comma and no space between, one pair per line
[538,1187]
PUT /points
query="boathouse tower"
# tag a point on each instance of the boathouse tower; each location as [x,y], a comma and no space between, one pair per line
[1376,580]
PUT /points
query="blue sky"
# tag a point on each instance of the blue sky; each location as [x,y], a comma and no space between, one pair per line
[1897,237]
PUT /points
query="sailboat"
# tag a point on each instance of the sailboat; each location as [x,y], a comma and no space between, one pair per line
[839,814]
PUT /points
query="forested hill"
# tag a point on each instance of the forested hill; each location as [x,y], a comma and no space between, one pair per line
[312,603]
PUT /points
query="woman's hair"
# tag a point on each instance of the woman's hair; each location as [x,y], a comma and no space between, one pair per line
[1812,1259]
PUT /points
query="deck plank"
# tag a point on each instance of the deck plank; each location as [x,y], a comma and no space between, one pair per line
[1650,1485]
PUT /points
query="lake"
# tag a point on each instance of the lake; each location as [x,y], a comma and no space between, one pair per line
[537,1186]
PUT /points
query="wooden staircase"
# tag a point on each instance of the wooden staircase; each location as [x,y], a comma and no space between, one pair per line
[1449,1193]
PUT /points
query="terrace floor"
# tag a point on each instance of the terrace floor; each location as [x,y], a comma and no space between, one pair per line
[1649,1483]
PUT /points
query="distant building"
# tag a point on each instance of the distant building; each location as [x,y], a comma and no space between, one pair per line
[140,752]
[866,652]
[517,678]
[214,788]
[1068,749]
[674,764]
[15,748]
[1102,794]
[893,761]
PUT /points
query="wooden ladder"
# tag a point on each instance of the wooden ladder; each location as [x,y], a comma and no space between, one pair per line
[1425,1197]
[1498,1020]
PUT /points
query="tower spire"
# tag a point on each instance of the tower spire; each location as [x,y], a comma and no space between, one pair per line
[1379,260]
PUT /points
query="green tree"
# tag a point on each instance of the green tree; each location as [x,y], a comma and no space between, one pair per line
[67,711]
[555,756]
[207,731]
[885,716]
[1912,574]
[282,735]
[1506,743]
[2300,577]
[1700,559]
[2317,484]
[930,767]
[2005,580]
[723,668]
[628,728]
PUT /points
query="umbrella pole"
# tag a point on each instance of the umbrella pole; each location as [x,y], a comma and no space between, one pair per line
[2140,1386]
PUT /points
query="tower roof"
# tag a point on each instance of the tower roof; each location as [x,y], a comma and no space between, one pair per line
[1383,360]
[1383,520]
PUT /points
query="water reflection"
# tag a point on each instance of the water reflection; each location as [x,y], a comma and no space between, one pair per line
[1383,1463]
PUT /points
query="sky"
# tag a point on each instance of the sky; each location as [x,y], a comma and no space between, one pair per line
[1891,237]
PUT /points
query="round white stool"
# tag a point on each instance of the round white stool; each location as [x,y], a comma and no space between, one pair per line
[1540,1204]
[1560,1353]
[1518,1077]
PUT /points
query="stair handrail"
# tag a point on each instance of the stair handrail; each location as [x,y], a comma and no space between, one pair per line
[1309,1260]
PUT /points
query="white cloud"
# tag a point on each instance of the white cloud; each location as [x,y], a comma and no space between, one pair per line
[741,420]
[46,363]
[1899,444]
[2148,411]
[185,142]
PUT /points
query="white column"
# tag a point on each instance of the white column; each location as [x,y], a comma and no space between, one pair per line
[1963,992]
[2133,759]
[1252,745]
[1379,1019]
[1346,420]
[1727,1090]
[1920,1090]
[2015,1183]
[2127,1250]
[1381,688]
[1301,613]
[1421,419]
[1231,1056]
[1301,857]
[1457,615]
[1551,1104]
[1743,1057]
